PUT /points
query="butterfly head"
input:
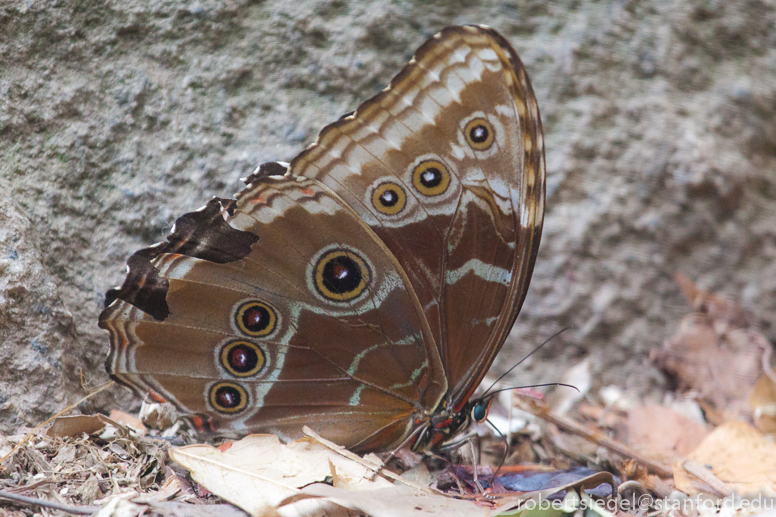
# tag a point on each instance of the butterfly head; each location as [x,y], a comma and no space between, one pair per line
[443,429]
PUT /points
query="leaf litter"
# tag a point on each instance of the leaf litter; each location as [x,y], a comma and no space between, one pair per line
[603,451]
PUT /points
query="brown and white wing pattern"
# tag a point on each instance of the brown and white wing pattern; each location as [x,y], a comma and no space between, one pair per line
[446,165]
[365,289]
[276,310]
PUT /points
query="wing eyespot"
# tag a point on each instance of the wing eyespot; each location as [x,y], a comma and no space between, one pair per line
[228,397]
[479,134]
[341,275]
[242,358]
[256,319]
[431,178]
[389,198]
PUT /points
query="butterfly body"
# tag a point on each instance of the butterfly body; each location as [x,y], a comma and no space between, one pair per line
[365,288]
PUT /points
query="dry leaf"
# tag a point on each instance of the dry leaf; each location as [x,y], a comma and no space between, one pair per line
[719,309]
[722,369]
[762,400]
[737,455]
[158,415]
[714,352]
[128,421]
[662,433]
[575,494]
[76,425]
[126,506]
[258,472]
[396,501]
[89,490]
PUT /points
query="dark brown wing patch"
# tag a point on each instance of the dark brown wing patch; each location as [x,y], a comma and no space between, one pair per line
[203,234]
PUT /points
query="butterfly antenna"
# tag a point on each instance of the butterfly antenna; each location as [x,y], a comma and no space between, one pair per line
[532,352]
[491,394]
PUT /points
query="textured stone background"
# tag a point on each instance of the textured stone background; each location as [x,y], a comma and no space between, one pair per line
[117,117]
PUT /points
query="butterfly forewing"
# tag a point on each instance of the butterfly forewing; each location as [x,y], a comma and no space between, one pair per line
[447,167]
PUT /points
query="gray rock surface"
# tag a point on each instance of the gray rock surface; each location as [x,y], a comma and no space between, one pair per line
[38,344]
[117,117]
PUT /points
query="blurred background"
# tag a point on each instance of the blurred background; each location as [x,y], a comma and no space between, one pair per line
[118,117]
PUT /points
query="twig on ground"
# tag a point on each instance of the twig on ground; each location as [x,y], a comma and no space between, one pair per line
[542,410]
[371,466]
[80,510]
[703,474]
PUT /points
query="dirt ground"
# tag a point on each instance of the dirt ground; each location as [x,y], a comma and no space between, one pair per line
[117,117]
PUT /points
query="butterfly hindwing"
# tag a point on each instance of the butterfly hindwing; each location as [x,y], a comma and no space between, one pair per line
[314,304]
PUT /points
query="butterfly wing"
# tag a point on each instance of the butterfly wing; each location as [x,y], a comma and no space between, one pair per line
[274,311]
[446,165]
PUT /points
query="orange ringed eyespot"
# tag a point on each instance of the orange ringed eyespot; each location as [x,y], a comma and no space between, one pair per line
[228,397]
[242,358]
[389,198]
[431,178]
[479,134]
[341,275]
[255,319]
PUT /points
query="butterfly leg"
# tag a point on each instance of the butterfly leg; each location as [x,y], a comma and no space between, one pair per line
[471,439]
[476,463]
[420,431]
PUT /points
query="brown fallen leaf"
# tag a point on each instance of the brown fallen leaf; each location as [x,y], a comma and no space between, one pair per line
[76,425]
[762,400]
[129,421]
[158,415]
[715,352]
[720,309]
[124,506]
[258,472]
[663,434]
[738,456]
[394,501]
[529,503]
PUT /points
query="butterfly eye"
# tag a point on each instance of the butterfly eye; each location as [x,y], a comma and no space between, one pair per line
[479,413]
[431,178]
[256,319]
[389,198]
[242,358]
[228,397]
[480,410]
[341,275]
[479,134]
